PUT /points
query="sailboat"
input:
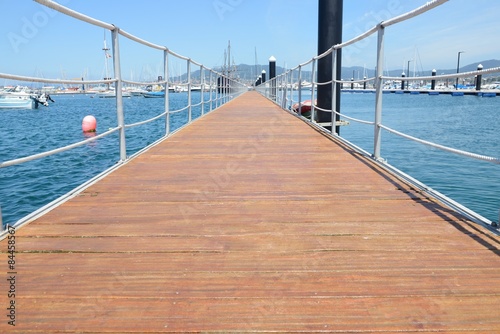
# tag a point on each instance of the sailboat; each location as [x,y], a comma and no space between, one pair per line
[223,82]
[109,91]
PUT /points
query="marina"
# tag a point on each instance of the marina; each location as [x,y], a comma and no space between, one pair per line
[200,235]
[221,206]
[29,187]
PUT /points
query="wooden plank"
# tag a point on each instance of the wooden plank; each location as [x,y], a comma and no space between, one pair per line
[251,220]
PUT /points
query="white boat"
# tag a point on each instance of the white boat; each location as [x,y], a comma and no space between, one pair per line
[16,100]
[180,89]
[20,98]
[136,91]
[112,93]
[154,94]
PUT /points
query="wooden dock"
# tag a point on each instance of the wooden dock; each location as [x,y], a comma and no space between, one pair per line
[252,220]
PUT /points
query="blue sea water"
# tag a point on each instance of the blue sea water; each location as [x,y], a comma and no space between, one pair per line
[468,123]
[27,187]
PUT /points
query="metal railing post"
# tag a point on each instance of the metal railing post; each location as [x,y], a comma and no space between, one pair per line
[334,92]
[210,81]
[277,83]
[284,91]
[167,93]
[313,73]
[299,110]
[202,90]
[378,96]
[189,89]
[226,90]
[118,91]
[217,90]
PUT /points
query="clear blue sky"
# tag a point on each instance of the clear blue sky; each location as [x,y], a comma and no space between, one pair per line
[38,41]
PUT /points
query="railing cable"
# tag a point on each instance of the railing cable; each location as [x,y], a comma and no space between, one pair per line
[57,150]
[442,147]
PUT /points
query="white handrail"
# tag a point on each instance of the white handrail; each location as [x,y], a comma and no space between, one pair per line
[420,10]
[142,41]
[444,148]
[356,81]
[90,20]
[447,76]
[65,10]
[139,83]
[220,98]
[36,79]
[377,124]
[127,126]
[57,150]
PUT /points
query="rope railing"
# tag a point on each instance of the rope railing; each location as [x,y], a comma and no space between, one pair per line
[59,8]
[414,13]
[354,119]
[217,95]
[179,110]
[442,147]
[57,150]
[356,81]
[128,126]
[139,83]
[447,76]
[59,81]
[286,98]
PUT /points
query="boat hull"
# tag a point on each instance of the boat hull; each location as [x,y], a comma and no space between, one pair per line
[154,94]
[111,94]
[16,102]
[305,108]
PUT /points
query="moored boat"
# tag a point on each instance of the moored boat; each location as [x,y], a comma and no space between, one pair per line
[111,93]
[154,94]
[16,100]
[305,108]
[21,98]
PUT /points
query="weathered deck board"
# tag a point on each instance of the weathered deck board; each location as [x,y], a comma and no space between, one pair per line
[250,220]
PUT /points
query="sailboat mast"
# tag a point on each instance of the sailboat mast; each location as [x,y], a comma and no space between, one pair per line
[106,56]
[225,63]
[254,75]
[229,59]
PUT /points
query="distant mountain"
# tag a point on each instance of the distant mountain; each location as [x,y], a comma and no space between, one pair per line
[249,73]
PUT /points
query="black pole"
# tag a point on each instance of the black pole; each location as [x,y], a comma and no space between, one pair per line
[263,76]
[433,82]
[364,83]
[329,33]
[272,75]
[403,81]
[479,77]
[408,73]
[458,67]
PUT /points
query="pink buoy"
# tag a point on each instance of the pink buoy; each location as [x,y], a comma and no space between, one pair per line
[89,124]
